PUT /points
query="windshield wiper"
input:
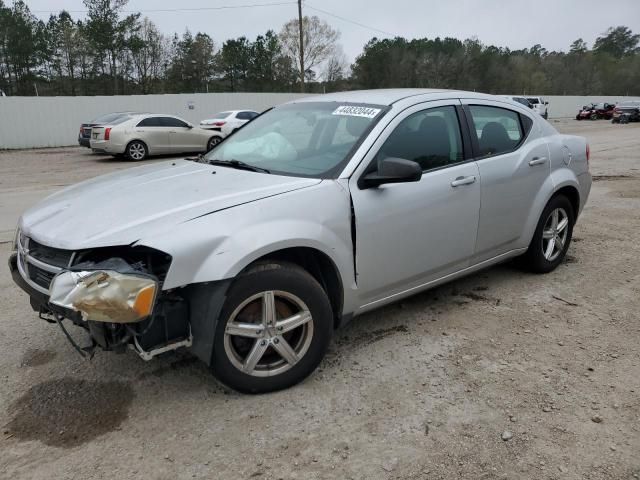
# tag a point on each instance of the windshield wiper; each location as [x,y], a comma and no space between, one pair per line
[240,165]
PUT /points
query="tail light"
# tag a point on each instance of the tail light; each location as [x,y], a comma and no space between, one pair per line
[107,131]
[219,124]
[588,152]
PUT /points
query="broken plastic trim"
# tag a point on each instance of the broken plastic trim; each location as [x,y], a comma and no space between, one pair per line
[147,355]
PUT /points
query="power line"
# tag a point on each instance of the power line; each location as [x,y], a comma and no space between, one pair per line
[362,25]
[195,9]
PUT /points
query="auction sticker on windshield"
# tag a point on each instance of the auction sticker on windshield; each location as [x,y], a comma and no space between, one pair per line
[353,111]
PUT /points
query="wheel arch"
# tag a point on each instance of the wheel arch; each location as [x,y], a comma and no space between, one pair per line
[561,182]
[146,145]
[318,264]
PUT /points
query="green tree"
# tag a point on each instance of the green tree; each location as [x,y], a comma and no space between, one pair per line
[107,34]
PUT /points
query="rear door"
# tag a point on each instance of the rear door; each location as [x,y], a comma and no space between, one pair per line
[154,134]
[182,137]
[408,234]
[513,162]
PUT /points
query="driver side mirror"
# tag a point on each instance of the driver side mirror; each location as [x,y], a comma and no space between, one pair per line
[391,170]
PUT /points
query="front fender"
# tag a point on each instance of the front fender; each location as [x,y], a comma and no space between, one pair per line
[219,246]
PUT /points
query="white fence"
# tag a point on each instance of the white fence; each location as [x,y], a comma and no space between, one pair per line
[31,122]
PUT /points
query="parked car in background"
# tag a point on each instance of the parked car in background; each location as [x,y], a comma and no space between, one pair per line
[540,106]
[626,112]
[596,111]
[228,122]
[520,100]
[139,136]
[84,136]
[317,211]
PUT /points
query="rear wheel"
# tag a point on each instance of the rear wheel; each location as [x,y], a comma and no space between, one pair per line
[552,236]
[594,116]
[213,141]
[273,331]
[136,151]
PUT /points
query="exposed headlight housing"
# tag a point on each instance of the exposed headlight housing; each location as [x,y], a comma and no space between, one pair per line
[105,295]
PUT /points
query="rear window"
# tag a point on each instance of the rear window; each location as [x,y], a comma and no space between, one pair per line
[533,100]
[222,115]
[108,118]
[498,130]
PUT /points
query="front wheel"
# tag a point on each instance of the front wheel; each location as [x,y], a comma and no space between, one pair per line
[274,329]
[594,116]
[552,236]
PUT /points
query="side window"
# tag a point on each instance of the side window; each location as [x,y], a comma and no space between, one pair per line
[252,115]
[431,138]
[150,122]
[498,130]
[173,122]
[243,116]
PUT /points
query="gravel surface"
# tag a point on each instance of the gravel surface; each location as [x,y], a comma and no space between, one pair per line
[502,375]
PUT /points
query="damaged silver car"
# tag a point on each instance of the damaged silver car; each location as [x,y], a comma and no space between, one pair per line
[315,212]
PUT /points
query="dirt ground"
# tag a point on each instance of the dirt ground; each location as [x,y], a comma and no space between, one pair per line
[424,389]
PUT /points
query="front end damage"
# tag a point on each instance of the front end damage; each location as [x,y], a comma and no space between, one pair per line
[114,294]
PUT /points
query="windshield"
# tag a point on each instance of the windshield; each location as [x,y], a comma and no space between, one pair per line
[307,139]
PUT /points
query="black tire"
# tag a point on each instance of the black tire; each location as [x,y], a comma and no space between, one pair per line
[594,116]
[136,151]
[213,141]
[276,277]
[534,259]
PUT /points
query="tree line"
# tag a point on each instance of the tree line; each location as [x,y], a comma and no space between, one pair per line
[111,52]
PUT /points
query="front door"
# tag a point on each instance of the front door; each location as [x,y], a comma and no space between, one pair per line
[409,234]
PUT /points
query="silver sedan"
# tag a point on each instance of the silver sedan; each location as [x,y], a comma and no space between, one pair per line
[313,213]
[138,136]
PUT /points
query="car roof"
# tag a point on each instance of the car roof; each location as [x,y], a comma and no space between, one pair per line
[389,96]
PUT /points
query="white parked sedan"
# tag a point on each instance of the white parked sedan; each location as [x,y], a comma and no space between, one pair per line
[139,136]
[228,122]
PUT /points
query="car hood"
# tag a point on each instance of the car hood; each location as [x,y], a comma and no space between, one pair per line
[124,207]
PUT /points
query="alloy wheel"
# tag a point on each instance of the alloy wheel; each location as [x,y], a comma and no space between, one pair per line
[268,333]
[554,234]
[213,142]
[137,151]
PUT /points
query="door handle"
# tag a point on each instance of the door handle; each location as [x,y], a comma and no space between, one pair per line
[537,161]
[463,181]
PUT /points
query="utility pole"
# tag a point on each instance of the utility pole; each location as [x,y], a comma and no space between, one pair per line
[301,46]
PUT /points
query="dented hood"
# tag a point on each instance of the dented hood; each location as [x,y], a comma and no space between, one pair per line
[123,207]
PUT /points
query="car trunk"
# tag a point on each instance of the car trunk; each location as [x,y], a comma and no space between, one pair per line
[85,130]
[97,133]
